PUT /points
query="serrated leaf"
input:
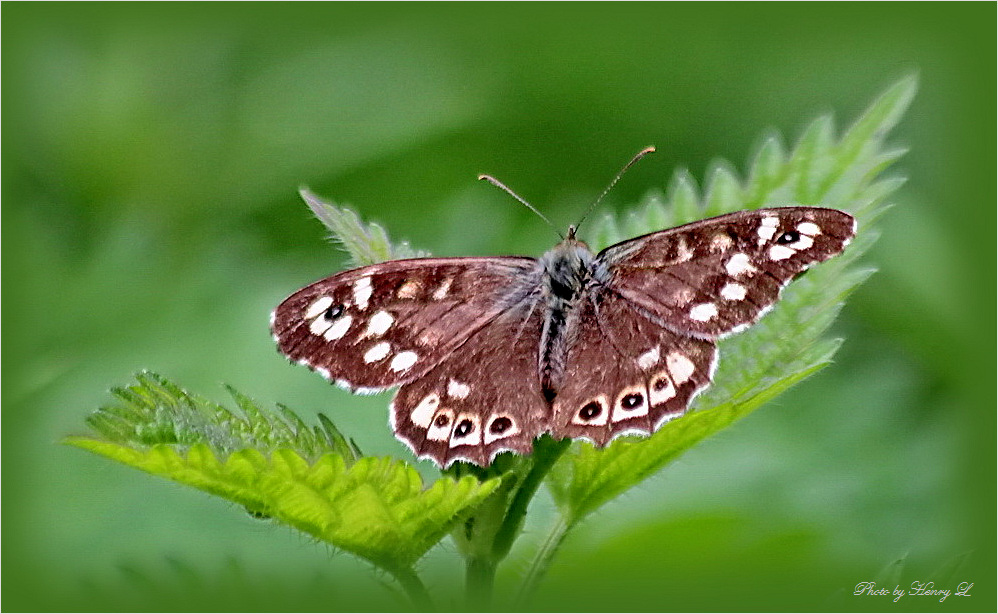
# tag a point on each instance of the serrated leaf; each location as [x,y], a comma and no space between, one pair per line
[684,198]
[156,411]
[592,477]
[376,508]
[366,243]
[724,191]
[786,345]
[812,160]
[605,231]
[768,168]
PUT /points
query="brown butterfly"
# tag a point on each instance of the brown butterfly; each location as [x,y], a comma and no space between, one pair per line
[491,352]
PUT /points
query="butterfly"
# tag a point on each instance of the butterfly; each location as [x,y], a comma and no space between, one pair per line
[491,352]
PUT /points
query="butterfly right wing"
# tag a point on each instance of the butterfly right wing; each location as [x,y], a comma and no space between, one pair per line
[716,276]
[383,325]
[625,373]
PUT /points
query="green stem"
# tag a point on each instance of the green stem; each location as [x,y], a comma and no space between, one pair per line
[414,588]
[546,452]
[542,560]
[480,578]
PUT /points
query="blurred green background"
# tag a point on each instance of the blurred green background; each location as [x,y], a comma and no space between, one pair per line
[151,157]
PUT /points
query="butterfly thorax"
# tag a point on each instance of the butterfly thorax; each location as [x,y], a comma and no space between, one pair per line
[570,270]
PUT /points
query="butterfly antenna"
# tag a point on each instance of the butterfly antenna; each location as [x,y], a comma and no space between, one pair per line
[505,189]
[644,152]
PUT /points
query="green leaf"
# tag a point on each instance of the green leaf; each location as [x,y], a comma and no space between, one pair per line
[683,199]
[277,467]
[724,192]
[376,509]
[786,345]
[155,411]
[366,243]
[592,477]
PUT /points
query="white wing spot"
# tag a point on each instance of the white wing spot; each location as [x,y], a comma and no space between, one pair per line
[319,326]
[442,289]
[598,418]
[680,367]
[780,252]
[440,428]
[496,430]
[649,359]
[703,312]
[404,361]
[661,389]
[378,324]
[721,242]
[733,292]
[767,228]
[323,372]
[339,328]
[809,228]
[803,242]
[683,251]
[409,289]
[739,264]
[458,390]
[468,435]
[378,352]
[422,414]
[318,307]
[362,292]
[631,403]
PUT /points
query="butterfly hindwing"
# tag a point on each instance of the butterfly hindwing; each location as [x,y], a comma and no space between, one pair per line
[482,400]
[626,373]
[382,325]
[714,277]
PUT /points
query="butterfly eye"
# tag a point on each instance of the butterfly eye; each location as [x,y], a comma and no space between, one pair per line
[631,401]
[590,410]
[500,425]
[332,312]
[790,236]
[463,428]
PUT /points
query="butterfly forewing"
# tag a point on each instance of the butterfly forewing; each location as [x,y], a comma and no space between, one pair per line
[716,276]
[382,325]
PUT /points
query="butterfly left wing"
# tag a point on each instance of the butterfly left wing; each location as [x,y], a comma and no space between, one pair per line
[482,400]
[716,276]
[382,325]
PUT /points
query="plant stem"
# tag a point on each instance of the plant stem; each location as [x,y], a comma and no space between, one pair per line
[414,588]
[546,452]
[479,580]
[542,560]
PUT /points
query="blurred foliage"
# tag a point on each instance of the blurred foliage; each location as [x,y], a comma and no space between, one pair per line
[152,158]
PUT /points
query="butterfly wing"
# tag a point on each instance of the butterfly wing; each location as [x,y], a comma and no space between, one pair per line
[643,343]
[626,373]
[382,325]
[716,276]
[483,400]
